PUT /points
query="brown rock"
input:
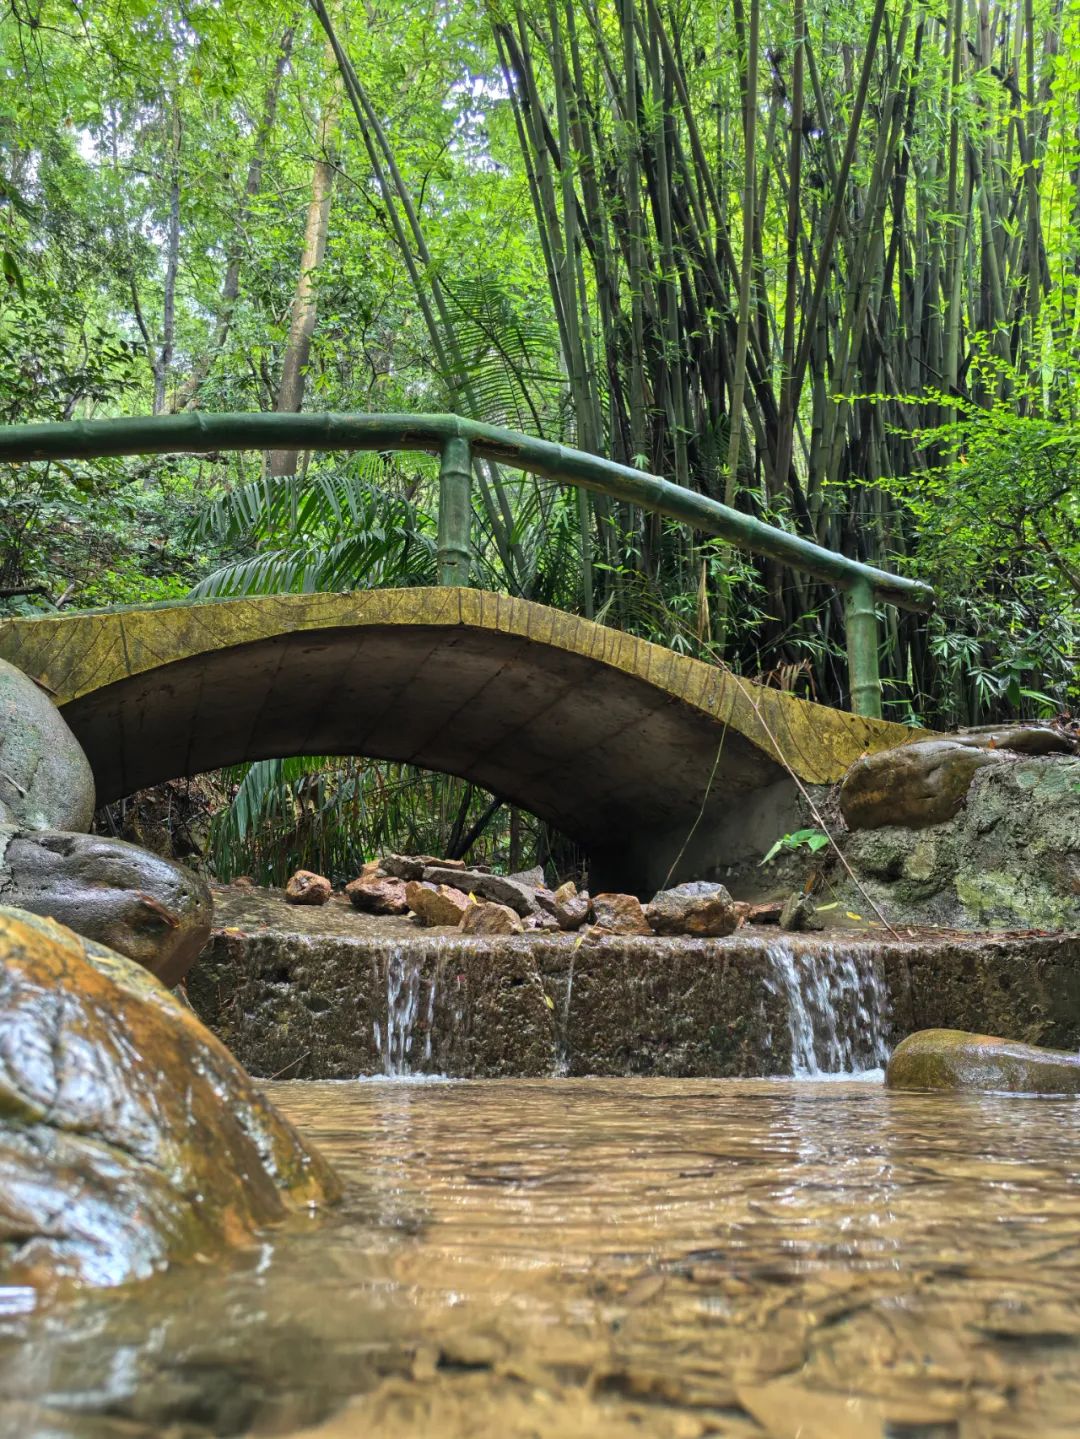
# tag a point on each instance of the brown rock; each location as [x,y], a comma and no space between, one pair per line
[307,888]
[378,894]
[620,914]
[951,1059]
[487,918]
[436,903]
[914,785]
[699,908]
[129,1136]
[767,912]
[570,909]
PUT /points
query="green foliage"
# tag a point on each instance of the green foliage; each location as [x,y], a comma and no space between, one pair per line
[998,515]
[336,527]
[332,815]
[809,839]
[571,268]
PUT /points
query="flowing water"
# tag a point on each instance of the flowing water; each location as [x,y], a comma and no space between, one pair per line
[838,1007]
[594,1259]
[835,996]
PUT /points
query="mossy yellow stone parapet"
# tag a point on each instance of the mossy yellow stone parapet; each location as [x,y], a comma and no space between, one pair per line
[585,725]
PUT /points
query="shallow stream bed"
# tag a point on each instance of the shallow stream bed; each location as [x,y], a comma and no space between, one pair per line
[592,1259]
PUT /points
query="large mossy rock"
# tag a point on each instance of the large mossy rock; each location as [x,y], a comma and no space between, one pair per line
[129,1136]
[1009,859]
[914,785]
[150,909]
[45,779]
[953,1059]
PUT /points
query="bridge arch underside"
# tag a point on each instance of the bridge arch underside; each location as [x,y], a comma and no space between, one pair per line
[615,762]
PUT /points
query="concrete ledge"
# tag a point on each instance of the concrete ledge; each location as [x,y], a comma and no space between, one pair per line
[334,1006]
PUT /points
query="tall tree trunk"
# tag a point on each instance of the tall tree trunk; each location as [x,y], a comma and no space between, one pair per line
[163,360]
[305,305]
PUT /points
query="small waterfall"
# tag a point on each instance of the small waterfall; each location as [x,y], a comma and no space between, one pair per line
[837,1004]
[403,1003]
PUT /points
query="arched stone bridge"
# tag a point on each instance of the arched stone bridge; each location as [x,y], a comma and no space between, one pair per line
[609,737]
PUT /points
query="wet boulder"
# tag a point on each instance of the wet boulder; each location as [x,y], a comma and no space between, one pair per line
[129,1136]
[147,908]
[485,918]
[436,904]
[304,887]
[619,914]
[949,1059]
[913,785]
[1018,738]
[698,907]
[378,894]
[45,779]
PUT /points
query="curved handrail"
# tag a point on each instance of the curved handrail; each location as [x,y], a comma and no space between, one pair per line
[197,432]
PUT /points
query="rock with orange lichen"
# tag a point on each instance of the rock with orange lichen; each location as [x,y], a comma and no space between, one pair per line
[129,1136]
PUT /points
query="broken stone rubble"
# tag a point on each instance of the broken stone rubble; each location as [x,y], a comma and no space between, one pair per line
[447,893]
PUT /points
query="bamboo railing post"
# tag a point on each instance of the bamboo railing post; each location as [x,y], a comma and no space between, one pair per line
[455,512]
[862,647]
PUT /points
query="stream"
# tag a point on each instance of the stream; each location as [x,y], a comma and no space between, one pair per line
[784,1257]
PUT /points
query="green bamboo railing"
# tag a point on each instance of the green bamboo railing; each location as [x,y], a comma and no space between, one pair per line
[459,442]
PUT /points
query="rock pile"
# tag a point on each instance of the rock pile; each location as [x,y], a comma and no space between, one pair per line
[447,893]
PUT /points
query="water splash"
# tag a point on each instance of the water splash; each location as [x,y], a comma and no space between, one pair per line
[837,1005]
[403,986]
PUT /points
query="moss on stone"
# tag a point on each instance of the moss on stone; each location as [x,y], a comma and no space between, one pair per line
[954,1059]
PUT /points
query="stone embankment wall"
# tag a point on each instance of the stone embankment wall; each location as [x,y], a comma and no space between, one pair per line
[1009,857]
[364,996]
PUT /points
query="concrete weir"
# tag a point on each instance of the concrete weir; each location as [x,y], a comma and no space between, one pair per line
[333,995]
[610,738]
